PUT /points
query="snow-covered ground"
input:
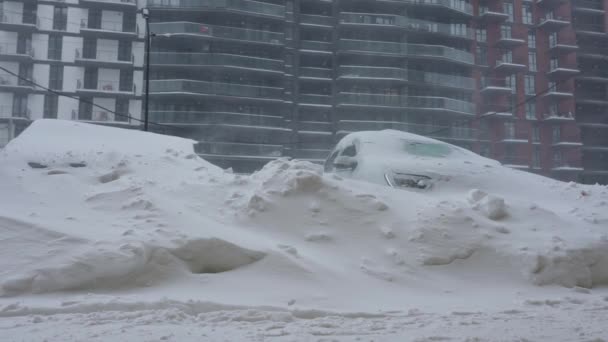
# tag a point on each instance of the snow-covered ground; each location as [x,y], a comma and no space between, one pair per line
[116,235]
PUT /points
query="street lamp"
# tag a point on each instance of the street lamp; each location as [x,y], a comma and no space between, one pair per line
[146,14]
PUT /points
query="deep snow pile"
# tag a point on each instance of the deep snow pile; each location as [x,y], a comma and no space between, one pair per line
[107,211]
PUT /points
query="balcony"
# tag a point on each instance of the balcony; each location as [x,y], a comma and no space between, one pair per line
[313,126]
[174,117]
[558,73]
[19,22]
[373,73]
[509,67]
[553,24]
[187,87]
[399,22]
[588,6]
[592,52]
[12,83]
[452,6]
[557,94]
[441,80]
[7,111]
[316,20]
[16,53]
[98,116]
[590,30]
[410,50]
[314,100]
[600,99]
[183,28]
[103,59]
[550,4]
[597,75]
[509,42]
[104,88]
[557,117]
[108,29]
[315,73]
[372,100]
[113,5]
[497,111]
[315,46]
[257,8]
[488,16]
[495,87]
[426,103]
[515,137]
[559,47]
[566,166]
[567,140]
[259,151]
[516,162]
[215,60]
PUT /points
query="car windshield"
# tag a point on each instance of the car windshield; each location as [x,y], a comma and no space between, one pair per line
[423,149]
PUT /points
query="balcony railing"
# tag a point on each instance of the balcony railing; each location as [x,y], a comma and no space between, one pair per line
[315,45]
[566,139]
[108,86]
[360,71]
[14,49]
[404,101]
[589,27]
[247,6]
[455,30]
[103,56]
[19,19]
[316,20]
[315,72]
[109,26]
[224,32]
[565,165]
[214,118]
[11,112]
[238,149]
[441,103]
[215,88]
[214,59]
[456,5]
[315,99]
[14,81]
[413,50]
[596,5]
[441,79]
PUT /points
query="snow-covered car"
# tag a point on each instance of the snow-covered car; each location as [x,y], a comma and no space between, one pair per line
[400,159]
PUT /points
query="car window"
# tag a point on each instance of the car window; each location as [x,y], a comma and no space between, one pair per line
[427,149]
[350,151]
[329,162]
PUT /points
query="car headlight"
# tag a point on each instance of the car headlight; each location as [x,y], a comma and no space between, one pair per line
[408,180]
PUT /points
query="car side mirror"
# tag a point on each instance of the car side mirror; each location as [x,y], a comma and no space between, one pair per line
[345,163]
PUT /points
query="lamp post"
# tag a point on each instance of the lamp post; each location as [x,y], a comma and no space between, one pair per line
[146,14]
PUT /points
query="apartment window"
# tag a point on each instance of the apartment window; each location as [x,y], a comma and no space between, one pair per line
[55,47]
[511,82]
[530,110]
[532,61]
[535,134]
[508,9]
[532,39]
[557,158]
[94,18]
[122,110]
[509,130]
[24,43]
[56,77]
[482,34]
[128,22]
[50,106]
[60,18]
[25,73]
[29,12]
[505,31]
[536,158]
[530,85]
[126,80]
[556,134]
[20,106]
[482,55]
[124,50]
[90,78]
[552,39]
[85,108]
[507,56]
[553,63]
[526,15]
[89,48]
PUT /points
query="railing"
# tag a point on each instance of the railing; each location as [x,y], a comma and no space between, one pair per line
[315,45]
[588,4]
[517,134]
[420,102]
[18,19]
[215,88]
[215,59]
[235,5]
[215,117]
[494,83]
[315,72]
[498,109]
[432,102]
[357,71]
[12,80]
[361,71]
[227,32]
[11,112]
[599,73]
[441,79]
[105,86]
[315,99]
[557,115]
[589,27]
[231,149]
[566,138]
[456,30]
[508,62]
[316,20]
[414,50]
[314,126]
[567,164]
[108,25]
[12,49]
[103,56]
[456,5]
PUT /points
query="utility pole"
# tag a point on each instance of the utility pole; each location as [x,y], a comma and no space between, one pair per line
[146,14]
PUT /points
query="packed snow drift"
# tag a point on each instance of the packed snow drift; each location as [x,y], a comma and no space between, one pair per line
[111,219]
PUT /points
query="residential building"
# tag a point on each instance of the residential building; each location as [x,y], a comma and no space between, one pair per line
[91,51]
